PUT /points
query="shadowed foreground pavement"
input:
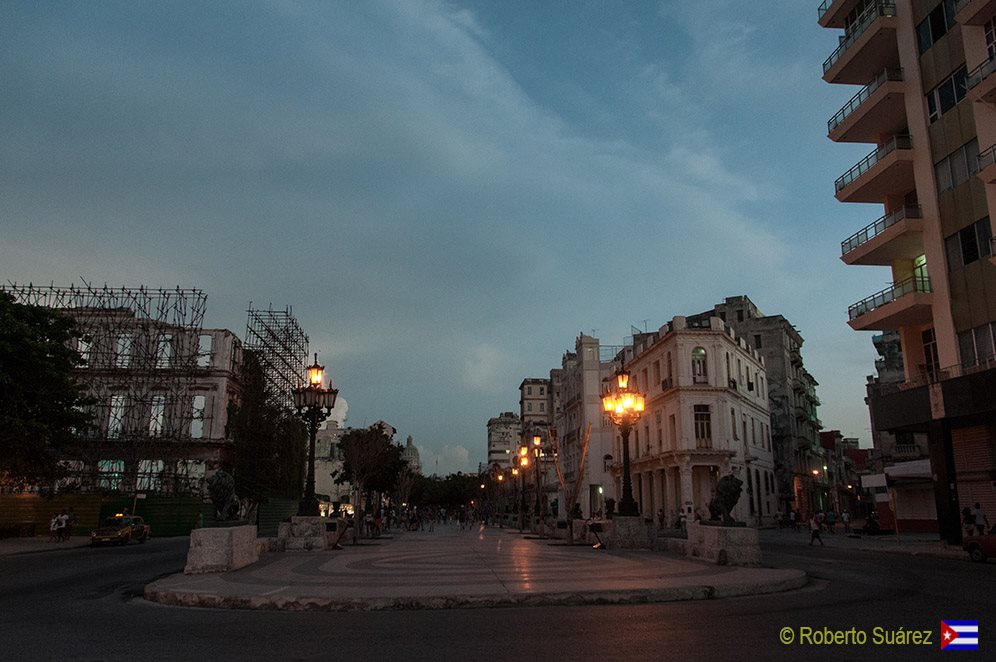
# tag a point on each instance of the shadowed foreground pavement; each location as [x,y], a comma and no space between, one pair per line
[484,567]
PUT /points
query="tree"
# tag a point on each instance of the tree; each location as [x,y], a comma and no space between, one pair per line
[371,462]
[42,406]
[270,442]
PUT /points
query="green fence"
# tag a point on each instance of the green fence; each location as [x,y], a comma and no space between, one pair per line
[272,513]
[168,516]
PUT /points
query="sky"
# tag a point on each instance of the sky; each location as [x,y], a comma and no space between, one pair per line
[445,193]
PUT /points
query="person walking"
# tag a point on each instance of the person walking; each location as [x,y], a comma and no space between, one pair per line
[981,521]
[53,528]
[814,531]
[845,517]
[60,526]
[831,521]
[968,521]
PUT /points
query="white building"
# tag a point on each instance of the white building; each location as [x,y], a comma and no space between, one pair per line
[706,416]
[503,436]
[410,455]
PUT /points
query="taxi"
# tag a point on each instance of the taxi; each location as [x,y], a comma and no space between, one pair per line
[120,530]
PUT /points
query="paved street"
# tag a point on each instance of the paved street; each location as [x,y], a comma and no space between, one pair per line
[82,604]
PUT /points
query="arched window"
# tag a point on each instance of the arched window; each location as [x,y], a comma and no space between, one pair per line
[699,373]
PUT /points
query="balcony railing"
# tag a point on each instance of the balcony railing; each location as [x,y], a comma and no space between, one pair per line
[823,8]
[862,96]
[897,142]
[987,158]
[900,289]
[867,17]
[865,235]
[981,72]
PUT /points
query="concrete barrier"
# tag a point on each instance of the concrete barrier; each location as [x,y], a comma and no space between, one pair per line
[221,549]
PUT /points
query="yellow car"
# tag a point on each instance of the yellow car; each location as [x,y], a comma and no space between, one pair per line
[120,530]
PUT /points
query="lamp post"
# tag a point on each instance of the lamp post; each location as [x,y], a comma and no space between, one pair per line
[537,452]
[624,408]
[523,463]
[314,404]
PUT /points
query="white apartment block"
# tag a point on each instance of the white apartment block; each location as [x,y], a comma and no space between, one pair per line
[504,432]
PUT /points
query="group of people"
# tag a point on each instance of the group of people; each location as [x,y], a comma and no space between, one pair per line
[61,525]
[974,521]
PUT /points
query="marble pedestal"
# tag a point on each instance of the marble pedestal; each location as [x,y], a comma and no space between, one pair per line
[724,545]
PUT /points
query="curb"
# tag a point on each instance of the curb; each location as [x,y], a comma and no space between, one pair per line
[167,596]
[952,556]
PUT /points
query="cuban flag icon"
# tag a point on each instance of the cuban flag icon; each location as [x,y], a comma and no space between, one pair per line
[960,635]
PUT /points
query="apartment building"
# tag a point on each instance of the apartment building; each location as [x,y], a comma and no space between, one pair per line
[926,101]
[706,416]
[795,427]
[504,435]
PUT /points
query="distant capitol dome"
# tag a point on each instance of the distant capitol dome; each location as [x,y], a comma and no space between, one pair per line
[410,455]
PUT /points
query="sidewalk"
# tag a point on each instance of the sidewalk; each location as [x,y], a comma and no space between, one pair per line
[485,567]
[11,546]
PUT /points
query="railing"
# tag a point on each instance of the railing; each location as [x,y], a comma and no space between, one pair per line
[867,17]
[987,158]
[866,234]
[925,377]
[981,72]
[896,142]
[862,96]
[888,295]
[823,9]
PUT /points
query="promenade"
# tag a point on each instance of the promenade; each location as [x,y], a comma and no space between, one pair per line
[449,568]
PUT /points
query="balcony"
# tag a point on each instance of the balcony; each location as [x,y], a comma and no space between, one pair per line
[987,165]
[833,13]
[905,303]
[868,47]
[877,110]
[886,171]
[974,12]
[981,83]
[896,235]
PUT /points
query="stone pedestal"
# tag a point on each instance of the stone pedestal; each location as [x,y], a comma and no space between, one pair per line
[628,533]
[221,549]
[303,534]
[724,545]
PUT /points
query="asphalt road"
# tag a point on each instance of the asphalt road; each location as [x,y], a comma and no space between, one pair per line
[83,604]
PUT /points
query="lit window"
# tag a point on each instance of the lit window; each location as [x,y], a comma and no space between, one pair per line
[699,371]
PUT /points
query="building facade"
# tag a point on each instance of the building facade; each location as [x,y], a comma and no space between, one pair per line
[795,426]
[504,435]
[706,416]
[927,103]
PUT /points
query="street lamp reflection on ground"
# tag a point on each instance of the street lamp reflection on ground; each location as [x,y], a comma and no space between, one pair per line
[314,403]
[624,407]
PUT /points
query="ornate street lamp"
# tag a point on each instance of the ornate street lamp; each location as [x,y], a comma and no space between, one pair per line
[314,404]
[624,407]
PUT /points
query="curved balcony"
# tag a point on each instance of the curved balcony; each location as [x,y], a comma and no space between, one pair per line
[981,83]
[869,46]
[905,303]
[974,12]
[896,235]
[987,165]
[878,109]
[886,171]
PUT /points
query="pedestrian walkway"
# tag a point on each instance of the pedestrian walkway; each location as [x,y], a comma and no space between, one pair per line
[485,567]
[9,546]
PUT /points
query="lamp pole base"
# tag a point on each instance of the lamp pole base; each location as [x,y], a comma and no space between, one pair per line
[627,508]
[309,507]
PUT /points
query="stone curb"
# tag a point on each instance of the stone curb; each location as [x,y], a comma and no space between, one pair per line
[167,596]
[951,555]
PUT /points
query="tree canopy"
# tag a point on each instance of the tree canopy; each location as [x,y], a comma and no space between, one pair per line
[371,460]
[42,406]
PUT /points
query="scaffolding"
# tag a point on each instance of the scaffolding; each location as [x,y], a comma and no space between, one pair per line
[139,349]
[282,347]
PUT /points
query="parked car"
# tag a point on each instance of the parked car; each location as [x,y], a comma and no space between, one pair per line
[120,530]
[980,548]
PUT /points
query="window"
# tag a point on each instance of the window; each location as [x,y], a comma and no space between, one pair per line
[932,362]
[740,316]
[541,390]
[529,406]
[149,475]
[204,343]
[164,351]
[672,431]
[85,348]
[990,30]
[657,371]
[197,420]
[122,351]
[733,422]
[946,96]
[156,415]
[958,166]
[109,474]
[542,406]
[529,390]
[936,25]
[757,342]
[703,426]
[976,345]
[969,244]
[699,372]
[115,419]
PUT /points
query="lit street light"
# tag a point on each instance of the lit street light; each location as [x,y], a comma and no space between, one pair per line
[624,407]
[314,403]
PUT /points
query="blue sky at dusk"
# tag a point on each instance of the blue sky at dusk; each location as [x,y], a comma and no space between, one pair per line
[445,192]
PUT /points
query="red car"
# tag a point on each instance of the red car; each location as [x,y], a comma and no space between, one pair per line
[980,548]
